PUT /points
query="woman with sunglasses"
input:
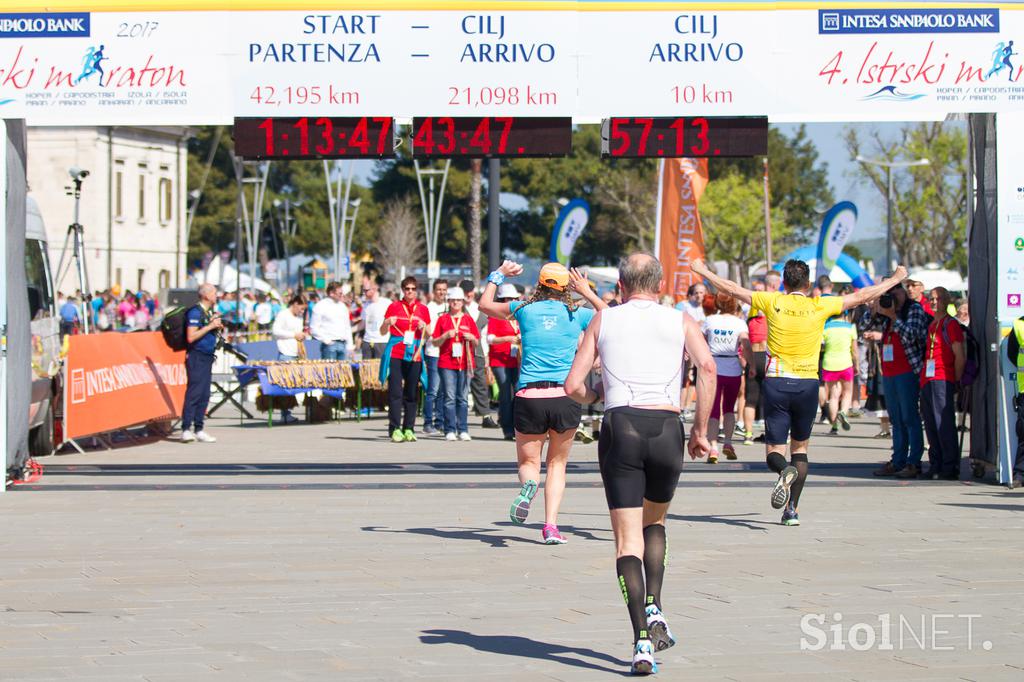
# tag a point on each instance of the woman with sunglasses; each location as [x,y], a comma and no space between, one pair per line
[408,322]
[550,326]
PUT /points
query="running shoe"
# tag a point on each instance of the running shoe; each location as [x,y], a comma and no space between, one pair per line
[748,438]
[729,451]
[204,437]
[790,517]
[657,627]
[884,433]
[409,436]
[465,436]
[643,658]
[521,505]
[187,436]
[429,430]
[552,536]
[450,436]
[834,431]
[780,493]
[843,421]
[397,436]
[713,457]
[582,435]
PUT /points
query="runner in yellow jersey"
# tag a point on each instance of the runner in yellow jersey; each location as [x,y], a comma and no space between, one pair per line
[796,323]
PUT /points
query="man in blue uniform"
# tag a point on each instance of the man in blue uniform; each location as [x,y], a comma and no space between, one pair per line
[201,327]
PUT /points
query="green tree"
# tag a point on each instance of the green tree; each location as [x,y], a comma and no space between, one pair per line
[732,214]
[930,209]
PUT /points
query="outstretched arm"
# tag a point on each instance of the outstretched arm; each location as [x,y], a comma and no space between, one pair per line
[875,290]
[488,306]
[726,286]
[576,383]
[700,355]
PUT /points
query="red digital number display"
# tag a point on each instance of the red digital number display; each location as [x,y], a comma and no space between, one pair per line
[370,137]
[493,136]
[691,136]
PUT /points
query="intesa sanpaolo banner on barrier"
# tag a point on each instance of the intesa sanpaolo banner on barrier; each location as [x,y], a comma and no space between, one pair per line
[115,380]
[680,237]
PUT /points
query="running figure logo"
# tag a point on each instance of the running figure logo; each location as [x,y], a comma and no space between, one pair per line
[1001,60]
[91,64]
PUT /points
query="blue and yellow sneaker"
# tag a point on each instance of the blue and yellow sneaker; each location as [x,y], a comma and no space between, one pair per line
[790,517]
[657,627]
[643,658]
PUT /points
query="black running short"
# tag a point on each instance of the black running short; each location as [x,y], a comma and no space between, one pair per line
[640,454]
[535,416]
[790,406]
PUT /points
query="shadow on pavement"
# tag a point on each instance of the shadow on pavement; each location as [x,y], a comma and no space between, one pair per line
[728,520]
[583,533]
[458,533]
[999,507]
[511,645]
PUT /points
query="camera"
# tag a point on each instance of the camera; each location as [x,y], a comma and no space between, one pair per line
[885,301]
[77,173]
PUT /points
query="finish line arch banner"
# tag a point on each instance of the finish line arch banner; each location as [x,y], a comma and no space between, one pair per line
[184,62]
[114,380]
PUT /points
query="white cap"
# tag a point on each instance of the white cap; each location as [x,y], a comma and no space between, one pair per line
[456,294]
[508,291]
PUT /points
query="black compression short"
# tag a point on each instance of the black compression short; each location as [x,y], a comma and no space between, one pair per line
[790,406]
[641,456]
[534,416]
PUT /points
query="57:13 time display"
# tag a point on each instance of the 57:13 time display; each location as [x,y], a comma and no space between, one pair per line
[696,136]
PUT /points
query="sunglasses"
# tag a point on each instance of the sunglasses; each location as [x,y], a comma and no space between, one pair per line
[408,288]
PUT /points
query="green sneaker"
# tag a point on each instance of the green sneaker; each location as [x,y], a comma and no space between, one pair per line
[409,436]
[521,505]
[397,436]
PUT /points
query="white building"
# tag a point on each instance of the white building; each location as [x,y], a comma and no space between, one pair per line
[133,203]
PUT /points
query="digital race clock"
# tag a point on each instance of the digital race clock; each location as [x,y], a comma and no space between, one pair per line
[495,136]
[315,137]
[690,136]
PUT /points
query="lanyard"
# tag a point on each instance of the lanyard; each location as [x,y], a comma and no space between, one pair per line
[412,314]
[456,322]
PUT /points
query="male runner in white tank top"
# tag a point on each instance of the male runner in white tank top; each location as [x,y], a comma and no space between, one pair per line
[640,452]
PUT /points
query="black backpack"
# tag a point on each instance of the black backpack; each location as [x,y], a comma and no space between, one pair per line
[972,351]
[173,328]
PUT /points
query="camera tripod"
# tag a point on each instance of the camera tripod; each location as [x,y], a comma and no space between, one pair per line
[76,240]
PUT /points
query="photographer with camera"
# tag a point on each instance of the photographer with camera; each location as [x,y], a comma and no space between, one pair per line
[202,326]
[904,329]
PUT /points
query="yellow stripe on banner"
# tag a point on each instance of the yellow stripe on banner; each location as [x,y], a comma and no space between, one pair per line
[468,5]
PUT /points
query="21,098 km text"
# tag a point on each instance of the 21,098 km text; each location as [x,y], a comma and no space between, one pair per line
[501,95]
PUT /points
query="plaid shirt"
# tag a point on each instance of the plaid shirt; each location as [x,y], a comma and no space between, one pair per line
[911,325]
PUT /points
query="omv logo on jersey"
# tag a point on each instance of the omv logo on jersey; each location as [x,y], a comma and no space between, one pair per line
[49,25]
[844,21]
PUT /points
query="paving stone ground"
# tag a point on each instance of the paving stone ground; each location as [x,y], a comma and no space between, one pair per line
[327,553]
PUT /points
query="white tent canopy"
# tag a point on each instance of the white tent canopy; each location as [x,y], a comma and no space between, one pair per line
[226,278]
[932,276]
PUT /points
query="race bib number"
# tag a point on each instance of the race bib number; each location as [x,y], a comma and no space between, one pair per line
[887,354]
[929,369]
[410,338]
[456,350]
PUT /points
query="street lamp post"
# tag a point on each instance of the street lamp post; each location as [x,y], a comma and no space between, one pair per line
[889,191]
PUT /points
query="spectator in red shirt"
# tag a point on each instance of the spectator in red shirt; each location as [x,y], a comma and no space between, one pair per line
[505,349]
[943,365]
[407,321]
[915,289]
[456,333]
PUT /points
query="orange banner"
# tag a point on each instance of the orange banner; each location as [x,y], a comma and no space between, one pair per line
[114,380]
[680,237]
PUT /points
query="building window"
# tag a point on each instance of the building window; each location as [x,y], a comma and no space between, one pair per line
[163,280]
[166,200]
[117,277]
[142,192]
[142,274]
[119,190]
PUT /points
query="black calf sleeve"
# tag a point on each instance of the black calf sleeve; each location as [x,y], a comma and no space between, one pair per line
[655,561]
[630,570]
[799,460]
[776,461]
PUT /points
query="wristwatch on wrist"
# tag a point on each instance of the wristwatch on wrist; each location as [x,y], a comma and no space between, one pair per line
[496,278]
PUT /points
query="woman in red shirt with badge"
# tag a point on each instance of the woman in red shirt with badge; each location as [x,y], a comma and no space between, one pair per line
[456,332]
[505,344]
[944,361]
[407,321]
